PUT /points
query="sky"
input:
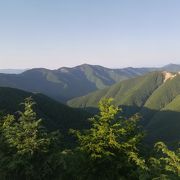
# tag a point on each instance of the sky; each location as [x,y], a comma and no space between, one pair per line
[111,33]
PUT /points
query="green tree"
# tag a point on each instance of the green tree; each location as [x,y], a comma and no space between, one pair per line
[26,134]
[165,164]
[27,146]
[109,149]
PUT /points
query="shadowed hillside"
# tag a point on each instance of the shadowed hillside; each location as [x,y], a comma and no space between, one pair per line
[55,115]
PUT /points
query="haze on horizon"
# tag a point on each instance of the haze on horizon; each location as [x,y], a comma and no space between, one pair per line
[114,33]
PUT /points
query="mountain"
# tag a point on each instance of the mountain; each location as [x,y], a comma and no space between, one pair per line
[66,83]
[55,115]
[171,67]
[155,96]
[12,71]
[130,92]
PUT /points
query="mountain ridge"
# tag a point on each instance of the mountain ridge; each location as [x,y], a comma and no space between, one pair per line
[150,95]
[66,83]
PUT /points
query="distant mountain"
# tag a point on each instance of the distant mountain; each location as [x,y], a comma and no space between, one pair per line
[155,95]
[171,67]
[55,115]
[66,83]
[12,71]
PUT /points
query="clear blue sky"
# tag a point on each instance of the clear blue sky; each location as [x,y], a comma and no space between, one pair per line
[113,33]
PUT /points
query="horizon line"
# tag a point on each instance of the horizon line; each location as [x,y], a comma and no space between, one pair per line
[42,67]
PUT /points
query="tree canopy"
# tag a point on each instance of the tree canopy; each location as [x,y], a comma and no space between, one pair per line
[111,149]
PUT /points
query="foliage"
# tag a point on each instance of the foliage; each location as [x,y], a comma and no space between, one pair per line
[110,150]
[25,134]
[110,147]
[26,146]
[166,164]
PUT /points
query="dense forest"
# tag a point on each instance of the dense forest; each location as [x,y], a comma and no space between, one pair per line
[113,147]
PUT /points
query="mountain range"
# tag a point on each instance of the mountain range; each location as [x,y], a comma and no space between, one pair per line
[152,92]
[156,96]
[66,83]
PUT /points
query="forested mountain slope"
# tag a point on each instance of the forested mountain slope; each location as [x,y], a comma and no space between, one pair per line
[155,96]
[56,116]
[66,83]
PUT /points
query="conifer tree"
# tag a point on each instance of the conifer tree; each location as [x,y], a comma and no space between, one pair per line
[165,164]
[110,146]
[28,146]
[26,134]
